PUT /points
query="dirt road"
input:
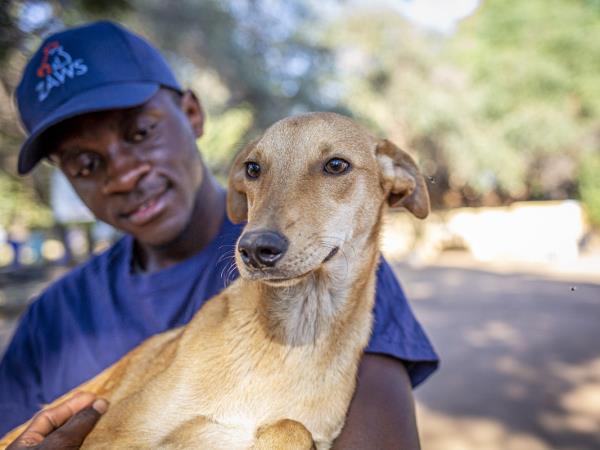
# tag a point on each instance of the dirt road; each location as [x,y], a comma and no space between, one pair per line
[520,360]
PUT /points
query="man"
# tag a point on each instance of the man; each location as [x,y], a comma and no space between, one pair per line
[102,104]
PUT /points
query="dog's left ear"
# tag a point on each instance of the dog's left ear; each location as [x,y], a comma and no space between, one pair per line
[237,202]
[401,179]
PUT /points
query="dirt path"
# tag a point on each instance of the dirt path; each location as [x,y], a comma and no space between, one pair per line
[520,360]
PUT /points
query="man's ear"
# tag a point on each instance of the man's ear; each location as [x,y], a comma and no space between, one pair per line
[237,202]
[192,108]
[401,179]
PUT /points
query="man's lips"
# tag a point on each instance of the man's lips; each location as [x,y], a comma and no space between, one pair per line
[147,210]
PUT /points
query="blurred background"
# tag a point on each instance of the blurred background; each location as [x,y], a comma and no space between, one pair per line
[499,101]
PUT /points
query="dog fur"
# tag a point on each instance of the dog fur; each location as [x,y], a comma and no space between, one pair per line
[271,362]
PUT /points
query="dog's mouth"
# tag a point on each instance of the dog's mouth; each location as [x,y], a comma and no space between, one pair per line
[332,253]
[290,281]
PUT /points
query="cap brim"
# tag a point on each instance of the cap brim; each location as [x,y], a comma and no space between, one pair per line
[112,96]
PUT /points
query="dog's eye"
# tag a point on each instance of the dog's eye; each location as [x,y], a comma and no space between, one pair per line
[252,169]
[336,166]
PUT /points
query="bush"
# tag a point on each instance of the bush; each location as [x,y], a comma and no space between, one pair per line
[589,186]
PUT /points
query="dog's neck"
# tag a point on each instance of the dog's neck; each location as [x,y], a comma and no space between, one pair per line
[325,301]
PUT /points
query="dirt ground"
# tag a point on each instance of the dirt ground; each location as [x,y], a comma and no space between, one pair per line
[520,357]
[520,353]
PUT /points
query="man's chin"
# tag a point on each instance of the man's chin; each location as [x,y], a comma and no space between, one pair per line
[158,236]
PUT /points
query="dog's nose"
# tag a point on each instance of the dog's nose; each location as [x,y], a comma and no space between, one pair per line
[262,248]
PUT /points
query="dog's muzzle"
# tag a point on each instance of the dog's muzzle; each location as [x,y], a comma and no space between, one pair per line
[262,248]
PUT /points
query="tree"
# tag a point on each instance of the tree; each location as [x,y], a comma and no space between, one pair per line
[400,80]
[534,65]
[505,109]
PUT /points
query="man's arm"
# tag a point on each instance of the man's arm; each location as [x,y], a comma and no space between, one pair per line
[382,412]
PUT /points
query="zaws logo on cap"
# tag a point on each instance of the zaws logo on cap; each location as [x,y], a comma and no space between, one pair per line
[99,66]
[56,68]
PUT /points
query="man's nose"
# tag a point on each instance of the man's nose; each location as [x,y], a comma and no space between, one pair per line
[124,169]
[262,248]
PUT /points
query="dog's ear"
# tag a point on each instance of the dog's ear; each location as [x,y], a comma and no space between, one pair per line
[402,180]
[237,203]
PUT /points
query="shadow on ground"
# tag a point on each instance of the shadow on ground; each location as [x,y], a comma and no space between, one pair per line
[520,360]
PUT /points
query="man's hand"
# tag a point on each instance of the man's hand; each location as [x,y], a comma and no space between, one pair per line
[64,426]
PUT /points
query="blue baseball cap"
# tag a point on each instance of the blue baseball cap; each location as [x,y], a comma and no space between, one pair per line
[95,67]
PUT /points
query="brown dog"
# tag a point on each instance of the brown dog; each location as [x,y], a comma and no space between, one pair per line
[270,363]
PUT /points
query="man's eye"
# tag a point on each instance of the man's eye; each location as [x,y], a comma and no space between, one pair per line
[84,165]
[139,135]
[142,133]
[252,170]
[336,166]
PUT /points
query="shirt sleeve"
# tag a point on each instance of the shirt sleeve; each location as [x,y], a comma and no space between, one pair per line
[396,331]
[20,393]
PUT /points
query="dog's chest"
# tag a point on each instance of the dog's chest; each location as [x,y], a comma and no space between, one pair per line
[227,382]
[249,395]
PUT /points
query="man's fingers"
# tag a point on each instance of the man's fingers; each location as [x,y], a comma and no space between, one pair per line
[72,434]
[50,419]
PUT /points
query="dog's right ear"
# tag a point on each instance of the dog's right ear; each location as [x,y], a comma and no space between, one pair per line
[237,202]
[401,179]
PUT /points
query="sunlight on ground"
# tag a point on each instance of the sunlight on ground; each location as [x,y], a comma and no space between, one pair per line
[581,402]
[525,236]
[520,365]
[581,415]
[494,332]
[443,432]
[511,366]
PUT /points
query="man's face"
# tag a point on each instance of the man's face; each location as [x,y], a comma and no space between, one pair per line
[137,169]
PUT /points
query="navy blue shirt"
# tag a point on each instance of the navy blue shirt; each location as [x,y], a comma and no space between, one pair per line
[94,315]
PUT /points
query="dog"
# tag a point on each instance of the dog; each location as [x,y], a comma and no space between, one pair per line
[271,362]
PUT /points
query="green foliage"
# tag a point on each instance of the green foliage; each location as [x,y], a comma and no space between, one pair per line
[222,138]
[263,51]
[542,52]
[401,82]
[534,67]
[18,204]
[589,185]
[494,108]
